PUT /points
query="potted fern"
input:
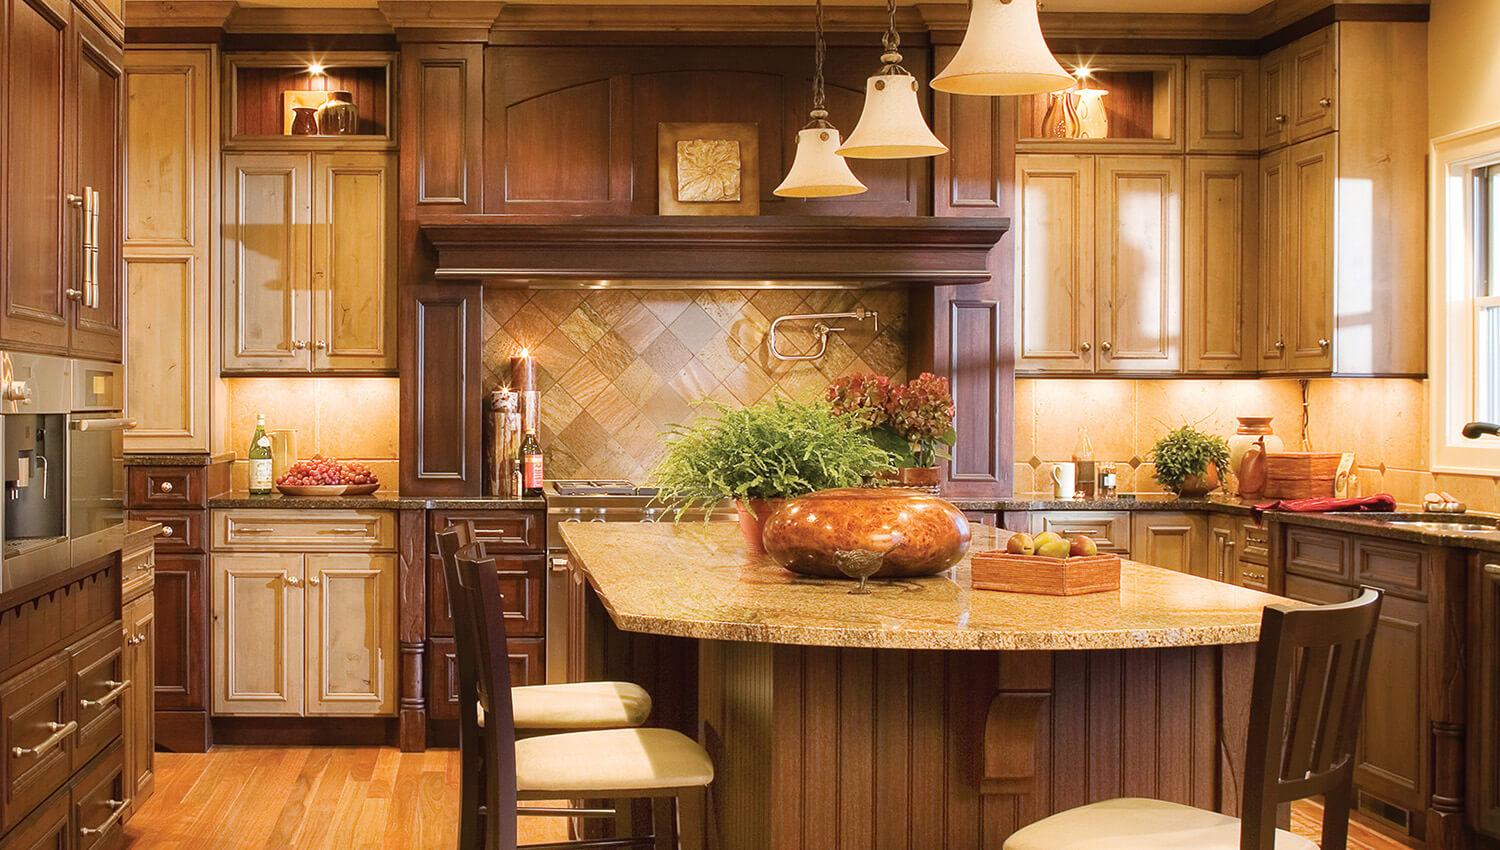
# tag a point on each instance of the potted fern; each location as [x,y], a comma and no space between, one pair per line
[758,456]
[1188,461]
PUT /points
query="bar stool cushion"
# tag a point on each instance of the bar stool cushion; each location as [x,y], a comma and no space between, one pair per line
[580,705]
[1133,823]
[611,760]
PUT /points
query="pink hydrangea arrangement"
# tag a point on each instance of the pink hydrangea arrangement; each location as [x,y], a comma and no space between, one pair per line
[912,421]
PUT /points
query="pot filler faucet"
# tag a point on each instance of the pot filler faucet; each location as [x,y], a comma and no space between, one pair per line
[821,330]
[1475,430]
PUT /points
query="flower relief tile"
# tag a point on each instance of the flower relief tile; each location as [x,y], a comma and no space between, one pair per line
[708,170]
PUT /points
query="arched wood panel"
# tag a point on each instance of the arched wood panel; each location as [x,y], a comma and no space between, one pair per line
[558,145]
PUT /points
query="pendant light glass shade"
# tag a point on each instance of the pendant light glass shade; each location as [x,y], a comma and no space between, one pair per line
[1003,53]
[818,171]
[891,125]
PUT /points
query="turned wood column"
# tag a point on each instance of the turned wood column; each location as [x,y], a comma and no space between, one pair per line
[411,631]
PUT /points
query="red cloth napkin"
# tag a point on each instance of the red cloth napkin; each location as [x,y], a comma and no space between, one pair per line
[1378,502]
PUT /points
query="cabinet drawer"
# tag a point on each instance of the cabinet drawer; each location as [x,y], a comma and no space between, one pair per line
[304,531]
[36,715]
[1317,553]
[46,829]
[520,583]
[137,573]
[1255,544]
[99,802]
[99,691]
[1110,529]
[1390,565]
[181,531]
[499,531]
[167,487]
[1253,576]
[442,685]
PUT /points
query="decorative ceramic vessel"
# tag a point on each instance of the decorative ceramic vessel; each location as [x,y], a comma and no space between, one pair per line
[338,116]
[1251,430]
[753,516]
[305,122]
[917,534]
[1198,486]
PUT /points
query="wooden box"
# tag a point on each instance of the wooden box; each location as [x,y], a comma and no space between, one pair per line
[1300,475]
[1049,576]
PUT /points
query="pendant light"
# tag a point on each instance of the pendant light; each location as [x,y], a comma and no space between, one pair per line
[817,169]
[1003,52]
[891,125]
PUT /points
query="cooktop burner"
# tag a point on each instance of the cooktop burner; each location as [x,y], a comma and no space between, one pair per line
[601,488]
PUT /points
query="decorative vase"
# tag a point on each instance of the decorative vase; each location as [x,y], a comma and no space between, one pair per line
[338,116]
[304,121]
[915,533]
[1092,121]
[753,516]
[1251,430]
[1198,486]
[919,478]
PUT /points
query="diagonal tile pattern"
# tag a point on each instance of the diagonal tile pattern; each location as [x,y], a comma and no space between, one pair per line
[617,367]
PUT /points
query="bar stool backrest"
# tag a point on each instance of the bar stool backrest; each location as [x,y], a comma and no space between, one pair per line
[1311,665]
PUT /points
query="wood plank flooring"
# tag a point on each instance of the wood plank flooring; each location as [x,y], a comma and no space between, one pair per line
[354,798]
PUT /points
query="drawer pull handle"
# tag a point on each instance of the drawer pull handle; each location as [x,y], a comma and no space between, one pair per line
[1492,569]
[166,487]
[246,530]
[60,731]
[119,807]
[344,531]
[116,688]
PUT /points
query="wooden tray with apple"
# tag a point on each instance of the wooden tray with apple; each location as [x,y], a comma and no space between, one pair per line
[1047,565]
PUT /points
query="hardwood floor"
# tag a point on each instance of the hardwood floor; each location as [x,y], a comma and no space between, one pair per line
[352,798]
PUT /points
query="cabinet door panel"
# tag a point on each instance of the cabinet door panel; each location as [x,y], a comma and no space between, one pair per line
[1139,276]
[351,634]
[1274,90]
[1223,112]
[353,264]
[1308,282]
[1221,283]
[1484,794]
[1273,260]
[1055,278]
[258,634]
[1312,71]
[1173,541]
[98,314]
[267,310]
[1109,529]
[140,704]
[1223,565]
[182,632]
[1391,758]
[35,50]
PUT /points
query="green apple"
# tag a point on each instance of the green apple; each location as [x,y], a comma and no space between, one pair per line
[1058,548]
[1020,544]
[1045,537]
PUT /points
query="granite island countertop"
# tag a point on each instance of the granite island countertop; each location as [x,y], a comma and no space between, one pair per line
[377,501]
[696,580]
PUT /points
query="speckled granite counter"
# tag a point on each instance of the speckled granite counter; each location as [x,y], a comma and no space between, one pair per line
[176,459]
[378,501]
[696,580]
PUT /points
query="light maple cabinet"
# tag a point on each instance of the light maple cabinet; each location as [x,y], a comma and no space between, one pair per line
[1312,85]
[1221,283]
[1099,255]
[1170,539]
[1297,281]
[1274,110]
[1223,107]
[302,633]
[308,262]
[170,214]
[1110,530]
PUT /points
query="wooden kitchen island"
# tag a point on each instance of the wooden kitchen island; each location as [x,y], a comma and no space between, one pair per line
[924,715]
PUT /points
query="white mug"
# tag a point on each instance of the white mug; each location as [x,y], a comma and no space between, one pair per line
[1062,481]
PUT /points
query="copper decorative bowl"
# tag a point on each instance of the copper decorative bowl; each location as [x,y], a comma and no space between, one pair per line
[915,533]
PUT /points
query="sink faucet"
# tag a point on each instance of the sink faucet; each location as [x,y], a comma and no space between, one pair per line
[1475,430]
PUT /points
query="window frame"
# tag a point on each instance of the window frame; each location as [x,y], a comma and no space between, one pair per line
[1453,299]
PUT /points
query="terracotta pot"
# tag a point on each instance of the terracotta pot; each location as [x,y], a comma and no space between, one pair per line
[1198,486]
[753,518]
[917,534]
[925,477]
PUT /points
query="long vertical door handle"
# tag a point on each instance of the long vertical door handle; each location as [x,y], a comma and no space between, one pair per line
[93,290]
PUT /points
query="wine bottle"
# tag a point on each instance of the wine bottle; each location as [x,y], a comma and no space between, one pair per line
[260,458]
[531,465]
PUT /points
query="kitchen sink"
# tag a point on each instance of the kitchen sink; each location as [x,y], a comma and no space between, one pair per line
[1429,525]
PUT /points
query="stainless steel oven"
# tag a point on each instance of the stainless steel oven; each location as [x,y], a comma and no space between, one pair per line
[96,453]
[34,454]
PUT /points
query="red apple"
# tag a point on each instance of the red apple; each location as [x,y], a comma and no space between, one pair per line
[1082,545]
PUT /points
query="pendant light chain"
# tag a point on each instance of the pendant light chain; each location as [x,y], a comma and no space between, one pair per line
[891,41]
[820,54]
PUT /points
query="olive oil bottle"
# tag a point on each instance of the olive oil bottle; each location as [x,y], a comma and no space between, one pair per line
[260,458]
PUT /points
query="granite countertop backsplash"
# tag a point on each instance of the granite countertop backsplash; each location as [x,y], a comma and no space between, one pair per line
[378,501]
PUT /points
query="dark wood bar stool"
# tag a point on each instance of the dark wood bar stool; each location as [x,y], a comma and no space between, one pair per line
[617,764]
[1310,670]
[566,707]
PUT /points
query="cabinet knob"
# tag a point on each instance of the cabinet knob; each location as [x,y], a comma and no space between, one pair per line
[74,294]
[74,200]
[1280,345]
[314,581]
[291,581]
[166,487]
[1322,343]
[1325,102]
[1086,347]
[1105,346]
[1279,119]
[299,344]
[166,531]
[320,345]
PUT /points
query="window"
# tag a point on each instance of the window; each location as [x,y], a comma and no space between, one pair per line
[1464,314]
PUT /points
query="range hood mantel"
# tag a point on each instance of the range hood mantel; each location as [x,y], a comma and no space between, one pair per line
[693,251]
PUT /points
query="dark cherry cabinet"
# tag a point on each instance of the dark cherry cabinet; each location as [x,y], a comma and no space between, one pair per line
[63,85]
[182,632]
[1484,688]
[440,343]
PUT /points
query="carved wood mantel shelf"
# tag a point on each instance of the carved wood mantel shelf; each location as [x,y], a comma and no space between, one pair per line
[690,251]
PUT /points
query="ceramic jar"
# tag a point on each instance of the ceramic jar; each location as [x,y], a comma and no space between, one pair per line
[916,534]
[1252,430]
[338,115]
[304,121]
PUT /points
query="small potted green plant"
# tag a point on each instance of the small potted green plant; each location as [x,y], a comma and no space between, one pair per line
[761,455]
[1188,461]
[912,422]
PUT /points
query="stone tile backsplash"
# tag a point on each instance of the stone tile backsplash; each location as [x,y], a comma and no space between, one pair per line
[346,418]
[617,367]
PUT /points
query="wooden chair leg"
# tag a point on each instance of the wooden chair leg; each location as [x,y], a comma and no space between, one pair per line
[624,818]
[663,824]
[1336,806]
[692,818]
